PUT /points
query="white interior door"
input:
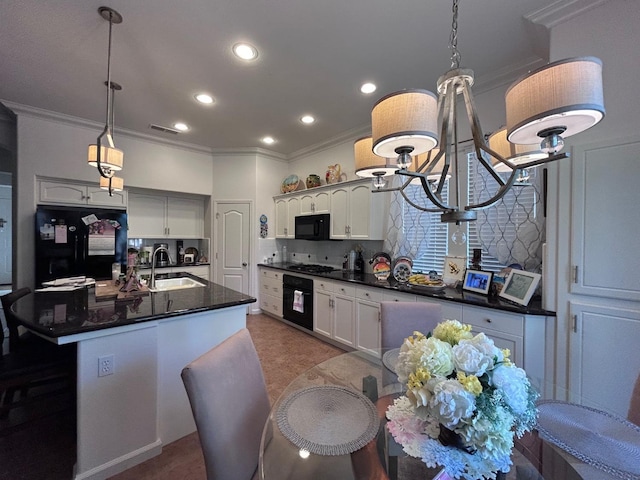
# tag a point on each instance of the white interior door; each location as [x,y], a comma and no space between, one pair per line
[232,245]
[5,235]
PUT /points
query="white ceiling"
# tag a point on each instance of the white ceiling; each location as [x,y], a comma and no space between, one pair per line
[314,55]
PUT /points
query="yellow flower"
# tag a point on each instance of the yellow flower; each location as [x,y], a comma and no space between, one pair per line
[452,331]
[470,383]
[506,353]
[418,378]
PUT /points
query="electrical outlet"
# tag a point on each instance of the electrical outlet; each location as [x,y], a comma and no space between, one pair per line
[105,365]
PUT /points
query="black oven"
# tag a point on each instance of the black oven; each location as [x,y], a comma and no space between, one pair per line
[313,227]
[297,300]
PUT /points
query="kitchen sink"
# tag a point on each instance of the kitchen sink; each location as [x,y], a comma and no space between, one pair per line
[164,284]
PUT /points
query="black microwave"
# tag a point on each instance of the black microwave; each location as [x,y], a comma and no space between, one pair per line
[313,227]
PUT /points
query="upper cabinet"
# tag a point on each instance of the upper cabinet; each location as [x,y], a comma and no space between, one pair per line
[312,203]
[357,213]
[52,192]
[604,219]
[286,210]
[159,216]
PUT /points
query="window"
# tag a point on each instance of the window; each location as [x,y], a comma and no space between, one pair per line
[510,231]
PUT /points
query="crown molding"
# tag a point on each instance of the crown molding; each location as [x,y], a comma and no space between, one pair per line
[506,75]
[58,117]
[349,135]
[561,11]
[250,151]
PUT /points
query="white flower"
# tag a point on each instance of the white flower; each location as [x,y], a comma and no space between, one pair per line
[514,384]
[494,435]
[469,359]
[451,403]
[433,354]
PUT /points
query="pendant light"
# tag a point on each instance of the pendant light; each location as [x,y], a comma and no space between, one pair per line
[107,158]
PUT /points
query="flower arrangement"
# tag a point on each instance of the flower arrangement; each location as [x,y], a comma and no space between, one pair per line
[465,401]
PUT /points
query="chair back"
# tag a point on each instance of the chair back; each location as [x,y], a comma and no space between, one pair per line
[12,323]
[230,406]
[398,320]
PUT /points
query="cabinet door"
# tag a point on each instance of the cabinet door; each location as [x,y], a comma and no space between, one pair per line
[307,204]
[604,219]
[55,192]
[339,213]
[344,319]
[282,218]
[146,216]
[323,313]
[185,217]
[359,212]
[293,210]
[321,202]
[604,360]
[98,196]
[368,326]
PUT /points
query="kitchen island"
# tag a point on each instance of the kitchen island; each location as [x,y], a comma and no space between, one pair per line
[130,352]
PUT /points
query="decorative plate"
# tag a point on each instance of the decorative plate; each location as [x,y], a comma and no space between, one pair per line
[290,184]
[402,269]
[381,265]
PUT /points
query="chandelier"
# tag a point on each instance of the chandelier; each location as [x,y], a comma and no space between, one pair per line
[543,107]
[107,158]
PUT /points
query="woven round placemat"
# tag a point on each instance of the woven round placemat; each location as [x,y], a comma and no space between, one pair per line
[328,420]
[593,436]
[390,359]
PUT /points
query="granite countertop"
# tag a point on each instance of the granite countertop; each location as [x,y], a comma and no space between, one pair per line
[56,314]
[450,294]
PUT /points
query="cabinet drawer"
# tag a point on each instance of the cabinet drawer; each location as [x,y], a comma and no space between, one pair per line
[398,297]
[323,286]
[344,289]
[450,310]
[274,286]
[271,304]
[480,318]
[371,294]
[267,273]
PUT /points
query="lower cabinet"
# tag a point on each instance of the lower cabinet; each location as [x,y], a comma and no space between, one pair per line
[368,320]
[271,292]
[334,311]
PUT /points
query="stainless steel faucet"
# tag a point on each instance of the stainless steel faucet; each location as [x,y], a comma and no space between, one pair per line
[152,283]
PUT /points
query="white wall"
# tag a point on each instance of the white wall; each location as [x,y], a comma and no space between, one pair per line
[57,148]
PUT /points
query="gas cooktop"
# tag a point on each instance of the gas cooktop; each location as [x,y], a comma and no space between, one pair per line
[311,268]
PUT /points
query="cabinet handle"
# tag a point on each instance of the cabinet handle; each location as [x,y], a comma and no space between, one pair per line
[342,289]
[575,323]
[488,320]
[366,294]
[575,274]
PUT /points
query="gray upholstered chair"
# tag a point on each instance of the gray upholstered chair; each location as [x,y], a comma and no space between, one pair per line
[230,405]
[634,406]
[398,320]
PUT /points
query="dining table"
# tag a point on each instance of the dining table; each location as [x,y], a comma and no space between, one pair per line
[329,423]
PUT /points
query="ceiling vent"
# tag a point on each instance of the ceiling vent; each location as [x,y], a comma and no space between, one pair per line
[160,128]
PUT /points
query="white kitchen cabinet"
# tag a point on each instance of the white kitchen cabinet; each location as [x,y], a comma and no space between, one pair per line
[450,310]
[286,210]
[604,356]
[52,192]
[334,311]
[357,213]
[368,335]
[158,216]
[391,296]
[604,219]
[271,292]
[313,203]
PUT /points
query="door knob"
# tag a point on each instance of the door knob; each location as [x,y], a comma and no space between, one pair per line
[244,264]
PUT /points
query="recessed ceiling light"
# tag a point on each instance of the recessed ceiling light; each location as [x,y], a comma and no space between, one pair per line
[204,98]
[268,140]
[245,51]
[368,88]
[307,119]
[183,127]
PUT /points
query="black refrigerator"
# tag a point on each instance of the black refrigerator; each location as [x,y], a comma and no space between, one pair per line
[73,241]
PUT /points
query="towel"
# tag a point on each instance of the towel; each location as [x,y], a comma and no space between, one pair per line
[298,301]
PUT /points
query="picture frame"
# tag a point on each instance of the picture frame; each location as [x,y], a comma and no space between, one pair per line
[519,286]
[477,281]
[453,269]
